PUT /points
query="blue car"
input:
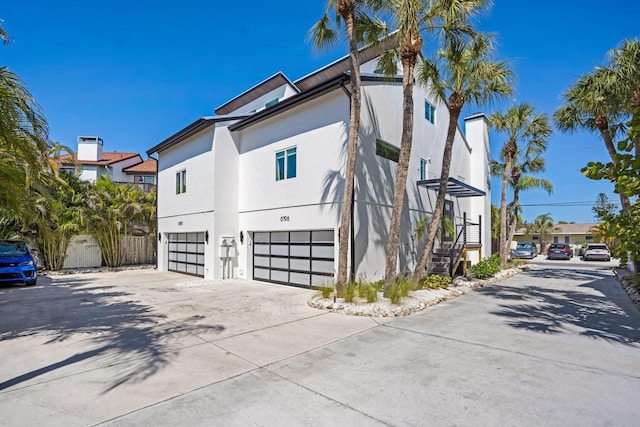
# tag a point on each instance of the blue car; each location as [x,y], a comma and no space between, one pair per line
[16,263]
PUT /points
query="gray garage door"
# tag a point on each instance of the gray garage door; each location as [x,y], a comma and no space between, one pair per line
[299,258]
[186,253]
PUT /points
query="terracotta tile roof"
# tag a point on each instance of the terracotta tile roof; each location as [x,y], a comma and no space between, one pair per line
[148,166]
[108,158]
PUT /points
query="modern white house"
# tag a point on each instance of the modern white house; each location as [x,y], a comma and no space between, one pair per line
[90,162]
[255,191]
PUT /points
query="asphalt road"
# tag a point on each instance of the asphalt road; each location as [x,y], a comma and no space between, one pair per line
[559,345]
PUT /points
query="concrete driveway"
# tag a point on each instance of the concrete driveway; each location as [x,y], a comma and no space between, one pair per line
[559,345]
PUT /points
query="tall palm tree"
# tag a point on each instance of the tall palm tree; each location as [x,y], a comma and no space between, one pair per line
[625,61]
[521,124]
[409,19]
[462,71]
[593,104]
[23,140]
[323,35]
[542,225]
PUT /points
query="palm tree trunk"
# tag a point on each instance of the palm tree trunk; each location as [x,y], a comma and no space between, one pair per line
[503,213]
[513,223]
[352,150]
[454,114]
[608,142]
[403,169]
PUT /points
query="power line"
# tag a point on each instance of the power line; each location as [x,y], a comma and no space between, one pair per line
[567,204]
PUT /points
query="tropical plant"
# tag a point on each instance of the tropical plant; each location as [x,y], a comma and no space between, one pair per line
[486,268]
[409,19]
[521,124]
[593,103]
[462,71]
[323,35]
[113,211]
[529,162]
[542,226]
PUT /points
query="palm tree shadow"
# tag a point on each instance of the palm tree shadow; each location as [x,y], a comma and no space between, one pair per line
[123,331]
[604,315]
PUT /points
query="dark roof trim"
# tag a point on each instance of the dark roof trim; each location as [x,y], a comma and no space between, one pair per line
[290,102]
[454,187]
[343,64]
[195,127]
[256,92]
[380,78]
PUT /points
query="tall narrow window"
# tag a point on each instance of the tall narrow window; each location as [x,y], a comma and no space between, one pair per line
[181,182]
[424,169]
[429,112]
[286,164]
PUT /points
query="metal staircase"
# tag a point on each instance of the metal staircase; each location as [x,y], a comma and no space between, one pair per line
[451,257]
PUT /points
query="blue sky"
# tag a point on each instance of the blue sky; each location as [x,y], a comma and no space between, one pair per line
[135,72]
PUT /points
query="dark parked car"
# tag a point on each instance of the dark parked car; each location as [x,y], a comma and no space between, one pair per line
[597,251]
[525,250]
[559,251]
[16,263]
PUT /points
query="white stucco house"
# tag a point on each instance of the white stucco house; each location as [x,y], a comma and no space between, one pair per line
[255,190]
[90,162]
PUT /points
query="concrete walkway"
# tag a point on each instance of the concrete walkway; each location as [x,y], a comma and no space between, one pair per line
[559,345]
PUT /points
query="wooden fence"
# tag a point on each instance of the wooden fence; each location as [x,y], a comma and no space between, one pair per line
[84,251]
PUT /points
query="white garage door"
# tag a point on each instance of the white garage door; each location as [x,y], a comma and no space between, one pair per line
[299,258]
[186,253]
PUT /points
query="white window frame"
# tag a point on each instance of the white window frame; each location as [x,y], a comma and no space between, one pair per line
[424,169]
[429,112]
[181,181]
[286,153]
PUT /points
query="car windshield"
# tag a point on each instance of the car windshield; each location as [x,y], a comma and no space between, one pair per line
[8,248]
[558,245]
[597,247]
[524,246]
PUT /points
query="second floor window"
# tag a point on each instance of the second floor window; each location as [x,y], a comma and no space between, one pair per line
[429,112]
[424,169]
[286,164]
[181,182]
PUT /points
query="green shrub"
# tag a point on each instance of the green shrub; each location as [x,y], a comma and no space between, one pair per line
[369,292]
[400,289]
[486,268]
[435,281]
[326,291]
[350,292]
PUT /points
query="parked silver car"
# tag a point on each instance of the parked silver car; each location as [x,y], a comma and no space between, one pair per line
[526,250]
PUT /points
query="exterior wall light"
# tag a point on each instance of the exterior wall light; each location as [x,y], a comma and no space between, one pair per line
[241,237]
[206,237]
[159,237]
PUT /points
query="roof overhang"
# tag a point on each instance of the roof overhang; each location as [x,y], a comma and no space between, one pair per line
[455,187]
[194,128]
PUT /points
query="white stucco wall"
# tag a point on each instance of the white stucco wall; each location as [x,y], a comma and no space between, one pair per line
[90,172]
[310,200]
[116,169]
[192,211]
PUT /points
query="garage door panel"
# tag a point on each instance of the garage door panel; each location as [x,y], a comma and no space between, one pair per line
[300,251]
[300,279]
[298,258]
[186,253]
[280,276]
[300,264]
[322,266]
[322,252]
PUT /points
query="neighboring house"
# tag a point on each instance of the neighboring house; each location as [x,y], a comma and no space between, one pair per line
[255,191]
[574,234]
[90,162]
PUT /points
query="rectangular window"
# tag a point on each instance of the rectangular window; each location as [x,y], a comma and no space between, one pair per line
[588,237]
[388,151]
[286,164]
[271,103]
[555,239]
[566,239]
[181,182]
[429,112]
[424,169]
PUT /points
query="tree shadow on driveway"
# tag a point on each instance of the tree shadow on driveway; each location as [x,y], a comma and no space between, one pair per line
[116,326]
[606,314]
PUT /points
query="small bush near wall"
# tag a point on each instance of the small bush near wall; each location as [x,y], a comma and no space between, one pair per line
[486,268]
